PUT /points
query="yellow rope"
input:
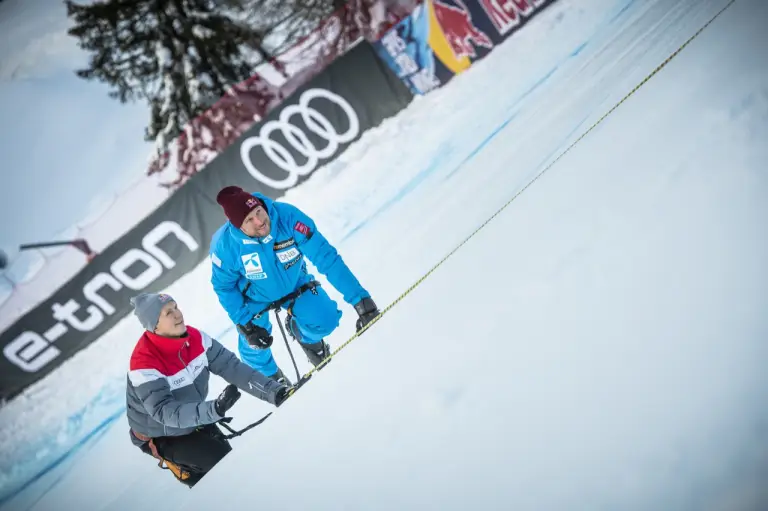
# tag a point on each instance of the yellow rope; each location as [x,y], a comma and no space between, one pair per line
[424,277]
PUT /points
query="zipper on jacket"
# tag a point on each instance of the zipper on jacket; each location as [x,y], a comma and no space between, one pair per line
[279,267]
[186,368]
[186,343]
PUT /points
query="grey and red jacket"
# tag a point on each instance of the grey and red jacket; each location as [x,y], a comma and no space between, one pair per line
[168,383]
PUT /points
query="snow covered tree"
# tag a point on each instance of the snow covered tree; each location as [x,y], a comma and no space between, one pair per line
[194,61]
[179,55]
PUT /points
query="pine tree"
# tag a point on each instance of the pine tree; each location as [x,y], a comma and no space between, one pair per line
[194,61]
[178,55]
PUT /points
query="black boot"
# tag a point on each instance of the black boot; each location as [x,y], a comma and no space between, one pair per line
[280,378]
[292,327]
[317,352]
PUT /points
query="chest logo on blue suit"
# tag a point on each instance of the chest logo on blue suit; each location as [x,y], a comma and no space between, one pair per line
[288,255]
[253,268]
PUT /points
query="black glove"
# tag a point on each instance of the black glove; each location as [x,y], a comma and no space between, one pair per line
[256,336]
[367,310]
[282,394]
[227,399]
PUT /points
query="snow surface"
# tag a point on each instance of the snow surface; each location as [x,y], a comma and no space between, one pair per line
[599,345]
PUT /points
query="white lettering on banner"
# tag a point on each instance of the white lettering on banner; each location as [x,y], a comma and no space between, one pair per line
[56,331]
[508,14]
[159,233]
[287,255]
[90,290]
[424,80]
[66,313]
[315,122]
[393,43]
[406,64]
[154,269]
[31,351]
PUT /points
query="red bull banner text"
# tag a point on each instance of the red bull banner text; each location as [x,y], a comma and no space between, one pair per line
[442,38]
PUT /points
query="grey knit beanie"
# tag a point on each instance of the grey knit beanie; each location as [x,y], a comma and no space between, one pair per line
[147,307]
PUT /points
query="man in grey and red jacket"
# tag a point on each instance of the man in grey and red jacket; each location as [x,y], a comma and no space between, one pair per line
[167,387]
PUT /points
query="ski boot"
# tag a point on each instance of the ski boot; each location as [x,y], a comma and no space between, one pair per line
[316,352]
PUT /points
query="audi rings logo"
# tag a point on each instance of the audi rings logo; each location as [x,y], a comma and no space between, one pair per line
[298,140]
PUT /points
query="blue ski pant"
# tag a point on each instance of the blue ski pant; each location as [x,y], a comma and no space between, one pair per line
[316,316]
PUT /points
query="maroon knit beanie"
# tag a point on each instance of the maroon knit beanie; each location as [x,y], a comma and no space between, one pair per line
[237,203]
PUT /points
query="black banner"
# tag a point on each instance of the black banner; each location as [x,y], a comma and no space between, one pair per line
[310,128]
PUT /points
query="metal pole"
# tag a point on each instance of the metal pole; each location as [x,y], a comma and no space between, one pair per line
[280,324]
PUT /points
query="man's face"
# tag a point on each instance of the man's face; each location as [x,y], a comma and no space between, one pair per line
[171,321]
[257,224]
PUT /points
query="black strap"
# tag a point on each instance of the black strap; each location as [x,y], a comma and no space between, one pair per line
[236,433]
[278,304]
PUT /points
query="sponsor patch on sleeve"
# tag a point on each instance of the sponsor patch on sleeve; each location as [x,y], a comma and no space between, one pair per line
[215,260]
[303,229]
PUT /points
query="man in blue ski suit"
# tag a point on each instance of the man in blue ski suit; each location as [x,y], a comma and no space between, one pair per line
[258,259]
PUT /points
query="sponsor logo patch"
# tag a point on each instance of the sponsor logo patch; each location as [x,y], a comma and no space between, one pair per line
[291,263]
[252,264]
[288,255]
[303,229]
[284,244]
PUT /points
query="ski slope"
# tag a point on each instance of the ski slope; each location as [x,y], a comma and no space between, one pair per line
[600,344]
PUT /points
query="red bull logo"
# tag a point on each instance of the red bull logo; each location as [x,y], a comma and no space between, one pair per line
[507,15]
[462,35]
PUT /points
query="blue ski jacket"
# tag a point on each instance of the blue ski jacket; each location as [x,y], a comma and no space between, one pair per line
[250,273]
